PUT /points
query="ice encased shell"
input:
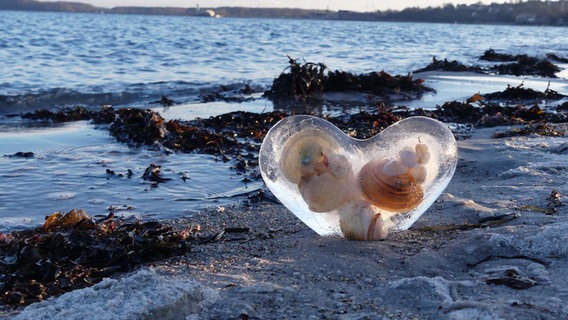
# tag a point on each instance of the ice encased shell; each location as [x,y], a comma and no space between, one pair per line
[407,133]
[391,191]
[306,144]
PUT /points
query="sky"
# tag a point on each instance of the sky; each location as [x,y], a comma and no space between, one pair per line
[334,5]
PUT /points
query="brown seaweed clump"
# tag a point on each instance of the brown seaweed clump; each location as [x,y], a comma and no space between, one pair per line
[522,64]
[105,115]
[72,251]
[364,125]
[446,65]
[64,115]
[138,126]
[492,55]
[555,57]
[305,80]
[302,80]
[541,129]
[519,93]
[509,64]
[491,114]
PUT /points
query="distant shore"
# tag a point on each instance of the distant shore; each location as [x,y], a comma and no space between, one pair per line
[522,13]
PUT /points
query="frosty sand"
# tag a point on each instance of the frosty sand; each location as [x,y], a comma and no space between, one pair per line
[483,250]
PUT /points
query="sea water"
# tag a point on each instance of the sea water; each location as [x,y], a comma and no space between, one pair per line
[51,60]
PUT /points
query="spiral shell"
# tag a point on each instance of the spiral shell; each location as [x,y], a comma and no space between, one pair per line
[390,185]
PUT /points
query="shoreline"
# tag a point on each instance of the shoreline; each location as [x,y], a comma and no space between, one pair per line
[482,250]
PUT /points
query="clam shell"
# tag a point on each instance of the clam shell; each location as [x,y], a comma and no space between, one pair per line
[395,193]
[325,192]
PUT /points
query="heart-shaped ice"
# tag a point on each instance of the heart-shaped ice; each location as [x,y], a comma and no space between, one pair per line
[359,189]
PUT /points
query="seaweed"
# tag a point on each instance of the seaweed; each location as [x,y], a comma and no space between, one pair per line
[562,107]
[364,125]
[152,173]
[307,79]
[302,80]
[164,101]
[510,64]
[64,115]
[492,55]
[519,93]
[72,251]
[555,57]
[445,65]
[22,154]
[137,126]
[522,64]
[459,112]
[105,115]
[541,129]
[528,66]
[232,93]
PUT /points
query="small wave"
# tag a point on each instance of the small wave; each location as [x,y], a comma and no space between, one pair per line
[61,195]
[60,98]
[134,95]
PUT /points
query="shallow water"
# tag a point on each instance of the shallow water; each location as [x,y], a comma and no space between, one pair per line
[69,170]
[50,60]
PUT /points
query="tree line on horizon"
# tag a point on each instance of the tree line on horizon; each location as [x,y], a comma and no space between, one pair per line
[518,12]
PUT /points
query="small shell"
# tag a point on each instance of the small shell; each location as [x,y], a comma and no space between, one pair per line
[360,221]
[399,193]
[330,186]
[408,157]
[394,167]
[422,153]
[302,153]
[338,165]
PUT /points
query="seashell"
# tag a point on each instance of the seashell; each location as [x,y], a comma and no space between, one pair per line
[361,221]
[357,189]
[303,154]
[329,187]
[396,193]
[408,157]
[394,167]
[422,153]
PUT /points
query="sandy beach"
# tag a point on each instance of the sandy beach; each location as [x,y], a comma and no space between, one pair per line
[493,246]
[135,124]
